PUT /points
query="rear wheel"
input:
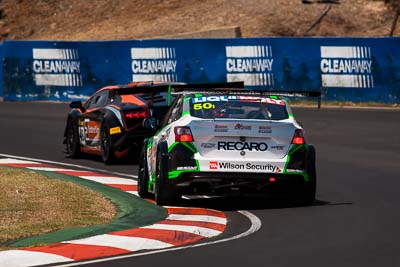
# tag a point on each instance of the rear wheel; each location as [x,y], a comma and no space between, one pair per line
[165,192]
[72,140]
[143,175]
[107,150]
[307,197]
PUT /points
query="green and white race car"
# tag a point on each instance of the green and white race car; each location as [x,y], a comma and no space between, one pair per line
[227,141]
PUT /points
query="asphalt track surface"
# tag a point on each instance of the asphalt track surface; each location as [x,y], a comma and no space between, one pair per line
[354,222]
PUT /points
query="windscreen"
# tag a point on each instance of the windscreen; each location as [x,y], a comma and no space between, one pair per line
[238,107]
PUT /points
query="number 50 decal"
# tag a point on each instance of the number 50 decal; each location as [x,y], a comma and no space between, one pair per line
[200,106]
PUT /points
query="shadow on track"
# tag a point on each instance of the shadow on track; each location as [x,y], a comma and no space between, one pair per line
[250,203]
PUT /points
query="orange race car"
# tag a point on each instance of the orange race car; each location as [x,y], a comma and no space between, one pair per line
[109,123]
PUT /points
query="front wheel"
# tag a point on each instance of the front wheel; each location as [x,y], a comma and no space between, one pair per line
[107,150]
[72,140]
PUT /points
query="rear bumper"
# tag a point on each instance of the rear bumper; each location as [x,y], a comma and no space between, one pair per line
[195,174]
[209,183]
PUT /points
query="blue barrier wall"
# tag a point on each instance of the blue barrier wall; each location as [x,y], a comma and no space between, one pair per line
[345,69]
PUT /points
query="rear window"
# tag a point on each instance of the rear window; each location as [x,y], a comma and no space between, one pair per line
[238,107]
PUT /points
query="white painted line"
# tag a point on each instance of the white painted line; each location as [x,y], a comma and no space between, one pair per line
[192,208]
[206,232]
[16,161]
[67,164]
[48,169]
[22,258]
[133,192]
[255,226]
[110,180]
[197,218]
[123,242]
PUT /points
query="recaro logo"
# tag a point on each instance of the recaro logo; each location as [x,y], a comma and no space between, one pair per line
[251,64]
[57,67]
[154,64]
[213,165]
[250,146]
[346,66]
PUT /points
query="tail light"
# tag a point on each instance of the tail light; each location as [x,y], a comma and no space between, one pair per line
[136,114]
[298,138]
[183,134]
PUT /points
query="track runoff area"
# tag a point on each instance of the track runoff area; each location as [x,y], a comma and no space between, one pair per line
[357,168]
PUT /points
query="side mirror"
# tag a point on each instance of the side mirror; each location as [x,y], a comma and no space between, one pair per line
[150,123]
[77,104]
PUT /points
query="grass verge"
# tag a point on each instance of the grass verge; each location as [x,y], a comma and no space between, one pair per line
[32,204]
[132,212]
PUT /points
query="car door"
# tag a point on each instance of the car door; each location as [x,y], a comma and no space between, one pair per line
[90,123]
[173,114]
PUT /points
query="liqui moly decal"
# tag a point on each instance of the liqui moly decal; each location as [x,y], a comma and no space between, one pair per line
[154,64]
[346,66]
[251,64]
[56,67]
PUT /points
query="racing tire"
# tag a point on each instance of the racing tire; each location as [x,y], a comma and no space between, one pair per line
[165,193]
[307,196]
[106,144]
[143,174]
[73,149]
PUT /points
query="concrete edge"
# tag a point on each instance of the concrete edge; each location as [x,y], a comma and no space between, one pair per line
[223,32]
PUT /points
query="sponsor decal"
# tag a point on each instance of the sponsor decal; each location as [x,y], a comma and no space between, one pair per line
[346,66]
[88,131]
[221,128]
[248,166]
[56,67]
[240,126]
[183,168]
[251,64]
[199,106]
[154,64]
[277,147]
[115,130]
[213,165]
[250,146]
[264,129]
[233,98]
[93,129]
[208,145]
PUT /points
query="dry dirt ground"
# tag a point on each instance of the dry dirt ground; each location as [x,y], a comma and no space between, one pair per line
[141,19]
